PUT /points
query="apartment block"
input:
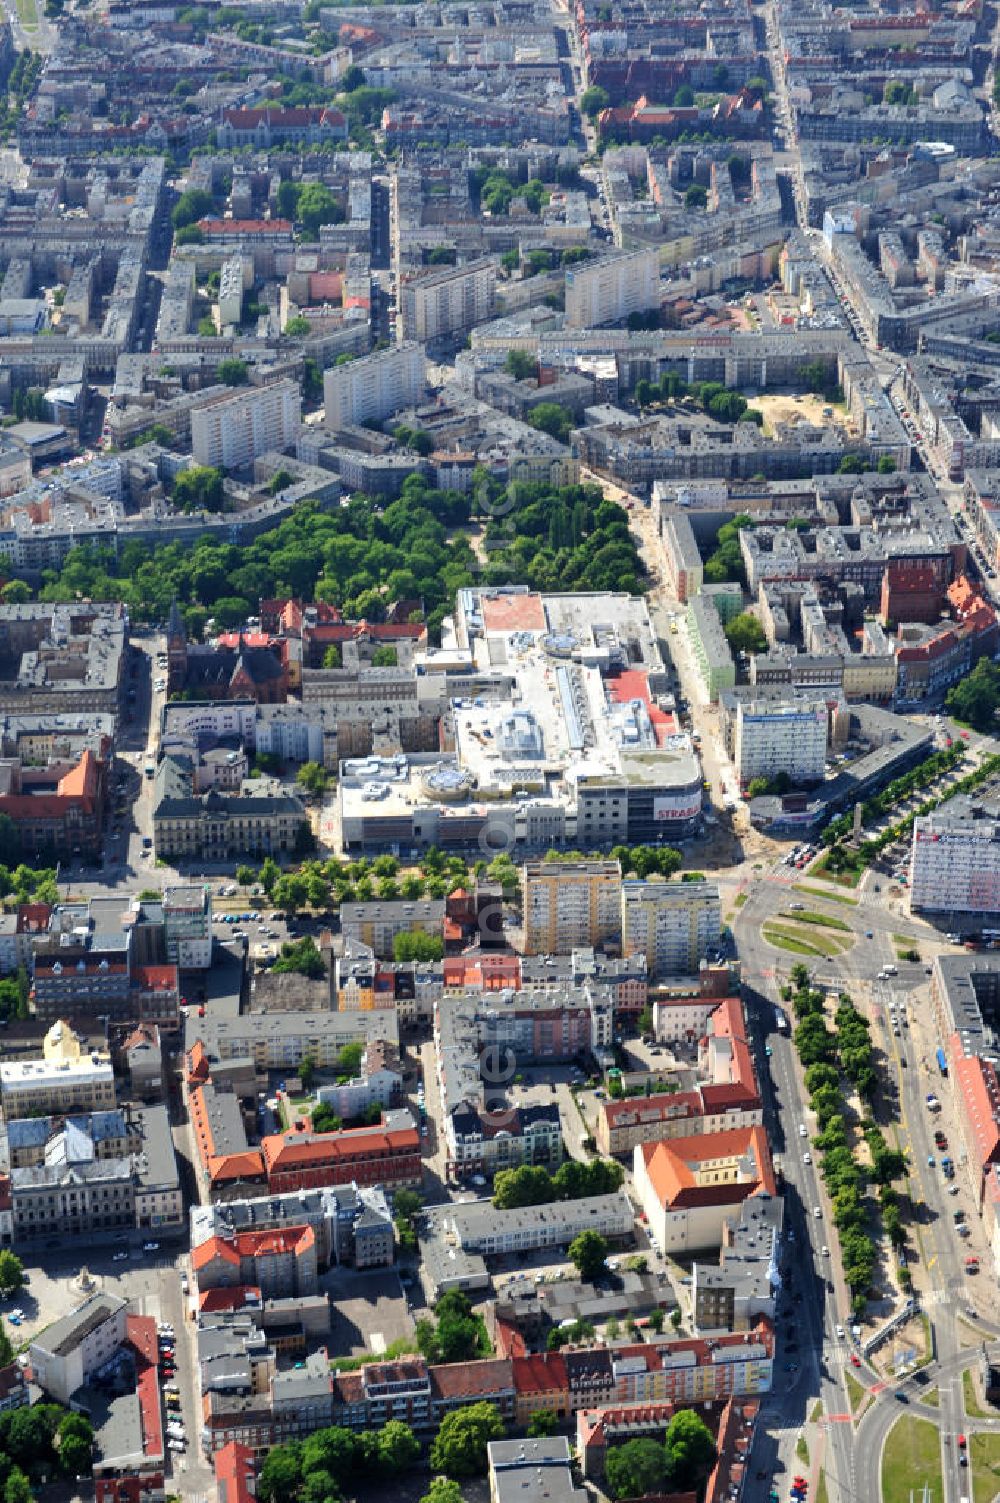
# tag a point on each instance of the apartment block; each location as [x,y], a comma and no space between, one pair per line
[374,387]
[682,556]
[187,926]
[780,737]
[570,905]
[348,1224]
[955,860]
[281,1040]
[457,1239]
[232,432]
[712,654]
[377,924]
[444,304]
[77,1191]
[544,1466]
[674,924]
[608,290]
[736,1294]
[67,1353]
[232,282]
[280,1263]
[651,1119]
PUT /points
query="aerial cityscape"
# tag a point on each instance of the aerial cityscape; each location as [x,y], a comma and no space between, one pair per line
[499,752]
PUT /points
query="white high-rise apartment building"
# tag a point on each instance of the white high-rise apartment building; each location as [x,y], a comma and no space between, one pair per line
[234,431]
[955,860]
[376,386]
[608,290]
[780,736]
[440,304]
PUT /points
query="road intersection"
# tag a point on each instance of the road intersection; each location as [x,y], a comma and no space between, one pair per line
[815,1301]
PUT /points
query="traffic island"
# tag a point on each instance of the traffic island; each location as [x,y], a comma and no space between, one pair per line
[911,1459]
[811,935]
[855,1392]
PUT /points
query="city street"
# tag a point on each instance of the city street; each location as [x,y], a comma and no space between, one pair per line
[814,1299]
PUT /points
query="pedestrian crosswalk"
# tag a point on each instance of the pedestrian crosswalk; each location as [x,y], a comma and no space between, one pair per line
[946,1296]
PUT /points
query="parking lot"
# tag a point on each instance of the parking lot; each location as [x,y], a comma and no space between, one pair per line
[369,1311]
[54,1286]
[151,1283]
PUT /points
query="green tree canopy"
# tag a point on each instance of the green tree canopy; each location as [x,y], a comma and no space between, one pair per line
[417,946]
[314,778]
[744,633]
[75,1444]
[459,1448]
[521,365]
[594,100]
[636,1468]
[300,957]
[553,419]
[234,372]
[588,1252]
[192,205]
[11,1272]
[442,1490]
[975,700]
[199,488]
[690,1450]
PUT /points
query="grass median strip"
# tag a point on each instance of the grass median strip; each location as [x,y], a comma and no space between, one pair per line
[829,894]
[804,941]
[911,1458]
[855,1391]
[984,1461]
[824,920]
[782,940]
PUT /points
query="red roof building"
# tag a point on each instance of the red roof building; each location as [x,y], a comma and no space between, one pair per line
[364,1155]
[688,1186]
[235,1474]
[282,1261]
[58,807]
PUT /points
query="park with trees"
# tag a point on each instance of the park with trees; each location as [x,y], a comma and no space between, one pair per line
[364,556]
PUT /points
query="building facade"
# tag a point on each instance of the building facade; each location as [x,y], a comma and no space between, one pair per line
[376,386]
[570,905]
[674,924]
[232,432]
[955,860]
[608,290]
[772,738]
[448,303]
[187,926]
